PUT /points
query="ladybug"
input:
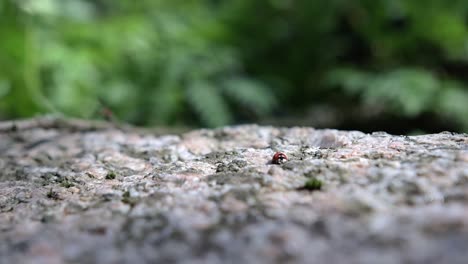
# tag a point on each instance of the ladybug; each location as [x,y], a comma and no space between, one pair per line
[279,158]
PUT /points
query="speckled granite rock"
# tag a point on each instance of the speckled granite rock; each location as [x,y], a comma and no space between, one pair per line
[83,193]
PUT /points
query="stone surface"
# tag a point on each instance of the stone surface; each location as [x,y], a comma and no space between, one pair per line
[84,193]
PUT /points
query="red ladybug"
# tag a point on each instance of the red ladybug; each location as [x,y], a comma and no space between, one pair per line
[279,158]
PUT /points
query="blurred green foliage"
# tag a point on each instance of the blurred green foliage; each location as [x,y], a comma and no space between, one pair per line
[215,62]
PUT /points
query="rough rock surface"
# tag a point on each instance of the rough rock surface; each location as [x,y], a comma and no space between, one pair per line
[100,194]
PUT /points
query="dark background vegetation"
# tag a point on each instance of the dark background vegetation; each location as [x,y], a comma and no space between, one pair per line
[394,65]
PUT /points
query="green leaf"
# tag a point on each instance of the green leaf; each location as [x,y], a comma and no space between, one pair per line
[4,88]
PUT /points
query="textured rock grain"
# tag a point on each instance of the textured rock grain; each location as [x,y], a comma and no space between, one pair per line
[100,194]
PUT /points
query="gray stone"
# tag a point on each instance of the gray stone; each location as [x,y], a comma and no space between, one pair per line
[213,196]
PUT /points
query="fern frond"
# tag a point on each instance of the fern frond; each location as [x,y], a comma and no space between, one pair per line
[351,80]
[208,103]
[410,90]
[251,94]
[453,102]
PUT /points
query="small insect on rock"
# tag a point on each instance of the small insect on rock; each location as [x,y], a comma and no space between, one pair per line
[279,158]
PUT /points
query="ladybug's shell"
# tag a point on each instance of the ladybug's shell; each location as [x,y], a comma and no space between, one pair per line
[279,158]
